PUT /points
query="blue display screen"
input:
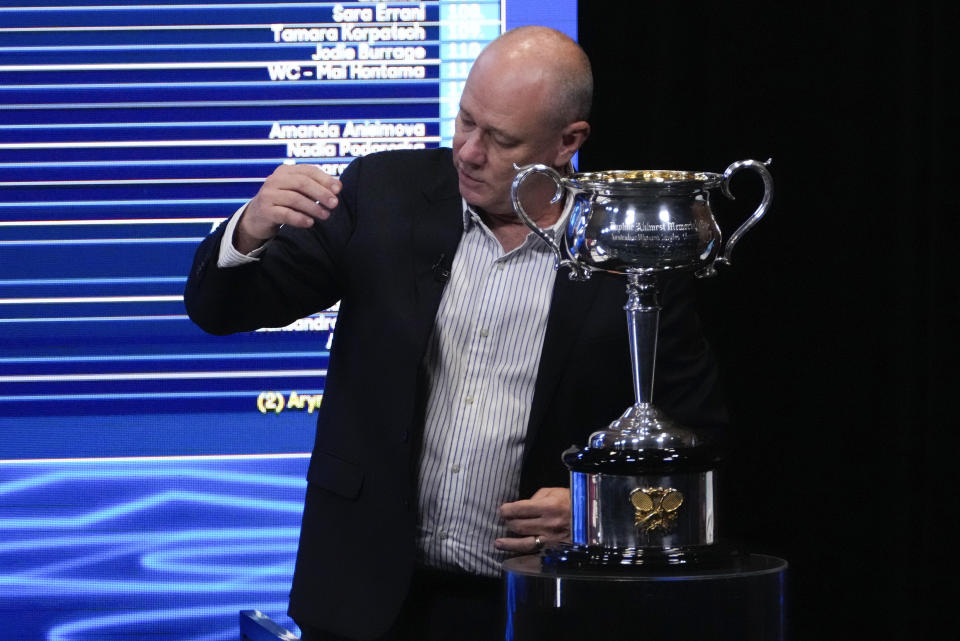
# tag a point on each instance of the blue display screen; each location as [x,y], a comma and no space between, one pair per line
[151,476]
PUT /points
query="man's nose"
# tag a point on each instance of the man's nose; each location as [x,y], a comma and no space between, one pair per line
[473,150]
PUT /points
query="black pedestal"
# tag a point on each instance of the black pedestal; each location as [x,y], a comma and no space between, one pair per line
[741,602]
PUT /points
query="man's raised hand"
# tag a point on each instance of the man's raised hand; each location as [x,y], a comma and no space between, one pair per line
[294,195]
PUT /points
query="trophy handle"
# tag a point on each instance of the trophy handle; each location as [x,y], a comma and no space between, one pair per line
[577,271]
[760,168]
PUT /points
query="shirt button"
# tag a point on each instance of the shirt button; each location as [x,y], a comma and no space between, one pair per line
[468,400]
[454,468]
[442,535]
[484,332]
[499,267]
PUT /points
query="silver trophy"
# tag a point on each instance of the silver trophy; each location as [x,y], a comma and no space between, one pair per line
[643,489]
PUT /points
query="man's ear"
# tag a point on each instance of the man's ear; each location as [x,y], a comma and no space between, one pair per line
[571,139]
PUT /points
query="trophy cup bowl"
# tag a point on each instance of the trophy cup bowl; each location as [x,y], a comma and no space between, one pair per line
[643,488]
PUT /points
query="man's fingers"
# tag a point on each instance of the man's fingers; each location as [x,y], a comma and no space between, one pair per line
[290,183]
[546,515]
[295,218]
[526,527]
[281,190]
[294,195]
[273,207]
[312,172]
[300,203]
[519,545]
[534,508]
[312,181]
[532,527]
[525,509]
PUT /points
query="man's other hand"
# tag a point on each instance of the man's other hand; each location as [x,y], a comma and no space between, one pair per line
[541,520]
[293,195]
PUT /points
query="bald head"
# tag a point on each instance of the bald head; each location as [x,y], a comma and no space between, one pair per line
[550,56]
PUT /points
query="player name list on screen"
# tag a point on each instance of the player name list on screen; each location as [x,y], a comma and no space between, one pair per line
[129,130]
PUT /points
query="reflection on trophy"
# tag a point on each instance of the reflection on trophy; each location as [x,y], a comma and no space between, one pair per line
[643,489]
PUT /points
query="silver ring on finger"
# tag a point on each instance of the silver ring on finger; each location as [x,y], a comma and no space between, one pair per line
[538,543]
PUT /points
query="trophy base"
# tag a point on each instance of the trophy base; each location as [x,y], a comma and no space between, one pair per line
[594,557]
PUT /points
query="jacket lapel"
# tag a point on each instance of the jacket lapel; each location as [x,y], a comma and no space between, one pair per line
[436,232]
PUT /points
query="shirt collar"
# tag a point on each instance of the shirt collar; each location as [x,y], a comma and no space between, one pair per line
[472,218]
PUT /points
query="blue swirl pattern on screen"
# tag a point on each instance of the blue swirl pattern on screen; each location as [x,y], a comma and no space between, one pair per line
[168,549]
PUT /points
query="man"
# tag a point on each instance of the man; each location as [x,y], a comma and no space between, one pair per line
[462,365]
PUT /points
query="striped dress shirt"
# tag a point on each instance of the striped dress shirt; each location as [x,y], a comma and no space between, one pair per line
[482,363]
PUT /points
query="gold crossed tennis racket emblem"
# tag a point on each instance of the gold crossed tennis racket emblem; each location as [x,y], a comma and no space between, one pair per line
[656,508]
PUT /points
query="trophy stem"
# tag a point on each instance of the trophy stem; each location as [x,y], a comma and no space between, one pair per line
[643,322]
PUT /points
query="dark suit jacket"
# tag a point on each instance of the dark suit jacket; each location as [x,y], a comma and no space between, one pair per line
[380,254]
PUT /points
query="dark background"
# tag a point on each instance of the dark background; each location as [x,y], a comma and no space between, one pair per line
[835,326]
